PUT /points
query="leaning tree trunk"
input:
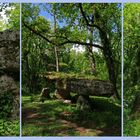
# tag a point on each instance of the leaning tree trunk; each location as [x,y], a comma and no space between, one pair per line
[109,62]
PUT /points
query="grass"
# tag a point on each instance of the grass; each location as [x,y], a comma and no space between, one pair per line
[131,124]
[55,118]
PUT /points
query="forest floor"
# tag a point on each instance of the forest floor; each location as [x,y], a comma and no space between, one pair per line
[132,127]
[55,118]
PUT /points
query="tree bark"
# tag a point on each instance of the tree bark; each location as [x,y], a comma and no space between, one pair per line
[55,47]
[109,62]
[106,50]
[90,52]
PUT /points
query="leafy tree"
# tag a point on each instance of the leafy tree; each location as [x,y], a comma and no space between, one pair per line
[82,24]
[10,16]
[131,68]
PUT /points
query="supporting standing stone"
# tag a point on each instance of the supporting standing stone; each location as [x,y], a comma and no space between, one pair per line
[45,94]
[62,91]
[84,103]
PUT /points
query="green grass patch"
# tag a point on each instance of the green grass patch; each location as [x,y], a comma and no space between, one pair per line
[55,118]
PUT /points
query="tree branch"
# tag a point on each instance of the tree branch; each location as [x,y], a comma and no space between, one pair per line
[37,33]
[63,43]
[86,20]
[83,14]
[81,43]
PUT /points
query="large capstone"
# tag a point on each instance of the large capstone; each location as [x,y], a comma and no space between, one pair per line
[91,87]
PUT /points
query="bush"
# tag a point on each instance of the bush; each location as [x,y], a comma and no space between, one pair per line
[6,101]
[9,128]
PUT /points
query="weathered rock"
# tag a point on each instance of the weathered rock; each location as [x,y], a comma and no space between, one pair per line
[62,94]
[84,103]
[81,85]
[90,87]
[9,69]
[62,91]
[9,53]
[7,84]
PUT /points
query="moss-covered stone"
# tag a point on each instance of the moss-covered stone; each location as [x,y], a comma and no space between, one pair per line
[9,73]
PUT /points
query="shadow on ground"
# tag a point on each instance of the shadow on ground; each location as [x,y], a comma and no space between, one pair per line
[54,118]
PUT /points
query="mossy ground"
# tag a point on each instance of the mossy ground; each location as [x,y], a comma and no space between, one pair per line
[55,118]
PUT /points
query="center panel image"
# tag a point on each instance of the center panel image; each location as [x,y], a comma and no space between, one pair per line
[71,69]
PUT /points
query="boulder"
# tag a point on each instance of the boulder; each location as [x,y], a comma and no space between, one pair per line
[9,71]
[91,87]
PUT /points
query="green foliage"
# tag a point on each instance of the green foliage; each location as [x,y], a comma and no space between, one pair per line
[6,100]
[131,67]
[52,38]
[9,128]
[132,128]
[14,17]
[79,63]
[11,16]
[39,55]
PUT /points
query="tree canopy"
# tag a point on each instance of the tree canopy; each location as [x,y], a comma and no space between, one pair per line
[131,68]
[62,27]
[10,16]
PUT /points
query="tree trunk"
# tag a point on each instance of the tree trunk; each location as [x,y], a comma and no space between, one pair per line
[109,62]
[56,59]
[90,53]
[28,78]
[55,47]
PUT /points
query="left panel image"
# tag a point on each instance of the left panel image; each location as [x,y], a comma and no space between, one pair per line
[9,69]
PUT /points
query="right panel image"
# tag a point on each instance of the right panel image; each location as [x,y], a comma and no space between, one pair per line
[131,69]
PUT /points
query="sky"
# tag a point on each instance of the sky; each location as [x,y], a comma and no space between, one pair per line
[3,17]
[49,17]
